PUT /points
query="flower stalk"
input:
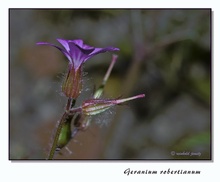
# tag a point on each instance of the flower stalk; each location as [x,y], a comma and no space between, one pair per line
[58,140]
[98,93]
[57,136]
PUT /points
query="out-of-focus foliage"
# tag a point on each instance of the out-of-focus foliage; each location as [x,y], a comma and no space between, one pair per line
[165,54]
[197,142]
[192,141]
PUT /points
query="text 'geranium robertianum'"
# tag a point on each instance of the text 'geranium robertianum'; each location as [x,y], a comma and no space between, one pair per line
[77,53]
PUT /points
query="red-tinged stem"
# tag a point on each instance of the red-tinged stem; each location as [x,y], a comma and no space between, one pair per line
[129,98]
[114,58]
[74,110]
[100,89]
[69,104]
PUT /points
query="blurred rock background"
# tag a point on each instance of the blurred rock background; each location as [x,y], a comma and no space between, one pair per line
[165,54]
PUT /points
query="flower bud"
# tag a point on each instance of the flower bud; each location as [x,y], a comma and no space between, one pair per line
[97,106]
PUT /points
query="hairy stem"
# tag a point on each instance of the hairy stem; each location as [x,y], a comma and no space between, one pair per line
[54,145]
[65,117]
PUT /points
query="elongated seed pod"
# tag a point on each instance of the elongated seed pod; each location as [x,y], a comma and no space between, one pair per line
[65,133]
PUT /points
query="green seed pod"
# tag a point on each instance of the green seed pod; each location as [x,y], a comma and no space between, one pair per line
[65,134]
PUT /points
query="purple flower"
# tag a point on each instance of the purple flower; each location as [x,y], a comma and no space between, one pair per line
[77,53]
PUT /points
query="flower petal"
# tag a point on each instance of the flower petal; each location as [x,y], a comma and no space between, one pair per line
[64,43]
[77,54]
[78,42]
[62,50]
[86,49]
[101,50]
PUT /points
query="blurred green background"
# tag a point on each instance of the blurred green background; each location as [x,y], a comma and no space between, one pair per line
[164,53]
